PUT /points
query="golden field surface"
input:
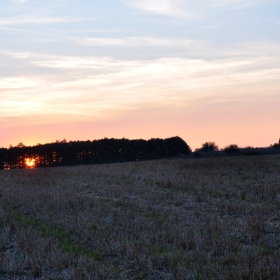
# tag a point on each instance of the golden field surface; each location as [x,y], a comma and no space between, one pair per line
[207,218]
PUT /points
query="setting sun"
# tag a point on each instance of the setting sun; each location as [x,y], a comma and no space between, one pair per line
[30,162]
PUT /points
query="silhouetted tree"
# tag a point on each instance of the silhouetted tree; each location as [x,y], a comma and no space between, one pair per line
[177,146]
[209,146]
[231,149]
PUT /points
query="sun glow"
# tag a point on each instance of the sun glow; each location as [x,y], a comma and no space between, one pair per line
[30,162]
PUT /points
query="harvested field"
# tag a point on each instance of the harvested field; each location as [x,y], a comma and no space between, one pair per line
[211,218]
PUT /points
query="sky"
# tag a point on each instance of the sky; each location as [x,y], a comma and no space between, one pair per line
[84,70]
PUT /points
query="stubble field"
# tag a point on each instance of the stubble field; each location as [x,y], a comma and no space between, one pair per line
[213,218]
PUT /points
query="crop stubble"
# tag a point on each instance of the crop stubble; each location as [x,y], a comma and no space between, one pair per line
[214,218]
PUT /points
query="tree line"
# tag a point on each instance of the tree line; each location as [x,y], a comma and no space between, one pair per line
[209,149]
[63,153]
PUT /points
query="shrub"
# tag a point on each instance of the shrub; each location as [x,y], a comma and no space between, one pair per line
[209,146]
[231,149]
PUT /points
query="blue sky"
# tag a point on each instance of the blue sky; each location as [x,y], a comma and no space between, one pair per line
[203,70]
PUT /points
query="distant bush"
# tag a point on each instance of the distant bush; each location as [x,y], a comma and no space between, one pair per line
[210,149]
[231,149]
[209,146]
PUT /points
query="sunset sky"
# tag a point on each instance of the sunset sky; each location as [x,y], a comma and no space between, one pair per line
[88,69]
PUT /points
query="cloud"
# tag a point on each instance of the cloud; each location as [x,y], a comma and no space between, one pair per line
[95,87]
[19,83]
[16,54]
[135,41]
[164,7]
[191,9]
[234,3]
[34,19]
[108,84]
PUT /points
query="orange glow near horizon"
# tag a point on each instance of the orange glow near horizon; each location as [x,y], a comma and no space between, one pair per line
[230,122]
[30,162]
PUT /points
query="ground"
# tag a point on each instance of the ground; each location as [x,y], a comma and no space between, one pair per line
[209,218]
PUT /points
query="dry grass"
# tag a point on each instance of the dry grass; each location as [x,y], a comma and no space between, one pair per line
[215,218]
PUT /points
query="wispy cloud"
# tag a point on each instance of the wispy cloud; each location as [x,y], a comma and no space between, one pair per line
[35,19]
[109,84]
[135,41]
[191,9]
[19,83]
[164,7]
[14,54]
[232,3]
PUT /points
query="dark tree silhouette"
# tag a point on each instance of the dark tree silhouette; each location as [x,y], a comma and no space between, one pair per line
[231,149]
[61,153]
[209,146]
[176,146]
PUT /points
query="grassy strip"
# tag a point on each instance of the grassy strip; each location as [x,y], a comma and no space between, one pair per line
[68,244]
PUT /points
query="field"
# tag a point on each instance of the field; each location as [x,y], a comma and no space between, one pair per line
[209,218]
